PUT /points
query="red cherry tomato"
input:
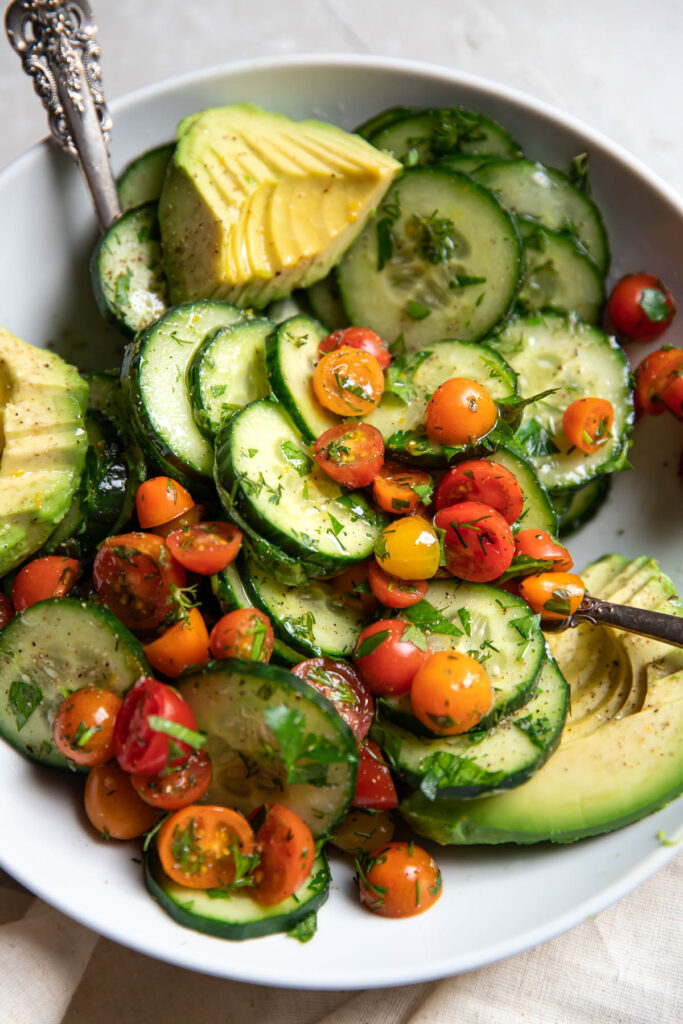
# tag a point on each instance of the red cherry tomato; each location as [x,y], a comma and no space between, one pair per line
[161,499]
[375,787]
[399,880]
[357,337]
[460,411]
[481,480]
[352,454]
[6,610]
[135,577]
[340,684]
[640,307]
[178,788]
[587,423]
[478,541]
[197,845]
[155,729]
[386,661]
[672,397]
[286,851]
[654,376]
[394,592]
[245,633]
[52,576]
[83,728]
[541,545]
[205,548]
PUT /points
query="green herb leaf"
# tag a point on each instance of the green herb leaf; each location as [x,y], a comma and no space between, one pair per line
[416,311]
[428,617]
[370,644]
[654,305]
[305,929]
[297,458]
[413,635]
[176,731]
[24,698]
[122,288]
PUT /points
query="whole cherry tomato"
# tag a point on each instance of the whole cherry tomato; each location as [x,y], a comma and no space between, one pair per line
[587,423]
[83,728]
[179,787]
[155,729]
[388,654]
[340,684]
[640,307]
[352,453]
[375,789]
[460,411]
[409,548]
[357,337]
[161,499]
[112,805]
[399,880]
[478,541]
[136,578]
[245,633]
[286,851]
[481,480]
[52,576]
[541,545]
[655,375]
[393,591]
[198,845]
[451,693]
[205,548]
[348,381]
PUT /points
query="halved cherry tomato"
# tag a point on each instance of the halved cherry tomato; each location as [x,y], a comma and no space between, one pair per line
[393,591]
[375,787]
[363,831]
[184,645]
[205,548]
[541,545]
[341,685]
[245,633]
[351,587]
[178,788]
[52,576]
[185,519]
[451,693]
[478,541]
[83,728]
[672,397]
[352,453]
[409,548]
[160,499]
[112,805]
[197,845]
[348,381]
[553,595]
[481,480]
[587,423]
[357,337]
[460,411]
[154,729]
[640,307]
[286,852]
[6,610]
[399,880]
[136,578]
[400,490]
[388,654]
[654,376]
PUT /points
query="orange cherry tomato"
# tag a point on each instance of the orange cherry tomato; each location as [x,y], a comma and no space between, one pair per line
[451,693]
[357,337]
[352,589]
[177,787]
[481,480]
[184,645]
[587,423]
[553,595]
[348,381]
[409,548]
[400,490]
[83,728]
[654,376]
[286,851]
[388,654]
[159,499]
[197,845]
[52,576]
[640,307]
[399,880]
[6,610]
[478,541]
[352,453]
[205,548]
[375,787]
[341,685]
[185,519]
[136,578]
[245,633]
[112,805]
[394,592]
[460,411]
[541,545]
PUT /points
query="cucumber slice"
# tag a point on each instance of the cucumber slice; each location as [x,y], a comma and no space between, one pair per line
[538,512]
[426,136]
[560,275]
[583,504]
[291,357]
[284,494]
[143,178]
[579,361]
[466,163]
[229,591]
[441,258]
[481,761]
[228,371]
[127,274]
[379,121]
[547,195]
[326,302]
[48,651]
[271,736]
[154,377]
[235,917]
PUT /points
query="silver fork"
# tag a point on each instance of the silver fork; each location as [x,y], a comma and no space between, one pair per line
[657,625]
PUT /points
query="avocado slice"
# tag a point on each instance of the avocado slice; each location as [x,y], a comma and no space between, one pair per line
[43,442]
[255,204]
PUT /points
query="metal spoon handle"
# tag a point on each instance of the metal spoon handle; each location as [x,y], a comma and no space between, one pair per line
[667,628]
[57,43]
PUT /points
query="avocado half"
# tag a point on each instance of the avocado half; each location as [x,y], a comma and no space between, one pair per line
[621,755]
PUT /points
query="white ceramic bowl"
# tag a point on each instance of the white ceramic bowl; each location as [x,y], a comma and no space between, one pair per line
[496,901]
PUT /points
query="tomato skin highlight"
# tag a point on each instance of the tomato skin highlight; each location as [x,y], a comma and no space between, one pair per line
[553,595]
[348,381]
[112,805]
[484,481]
[409,548]
[375,789]
[135,577]
[342,686]
[197,845]
[391,664]
[628,304]
[394,489]
[183,645]
[451,693]
[654,376]
[205,548]
[51,576]
[351,453]
[460,411]
[6,610]
[478,541]
[399,880]
[245,633]
[587,423]
[83,728]
[160,499]
[394,592]
[138,746]
[286,852]
[181,787]
[357,337]
[542,545]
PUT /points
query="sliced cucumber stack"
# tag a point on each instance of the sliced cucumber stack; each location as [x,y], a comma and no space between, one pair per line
[291,357]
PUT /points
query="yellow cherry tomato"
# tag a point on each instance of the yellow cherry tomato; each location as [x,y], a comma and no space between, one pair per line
[409,548]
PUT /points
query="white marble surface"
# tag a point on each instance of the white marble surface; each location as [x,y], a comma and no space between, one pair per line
[613,63]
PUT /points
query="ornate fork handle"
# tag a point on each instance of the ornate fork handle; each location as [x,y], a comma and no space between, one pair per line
[668,628]
[56,40]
